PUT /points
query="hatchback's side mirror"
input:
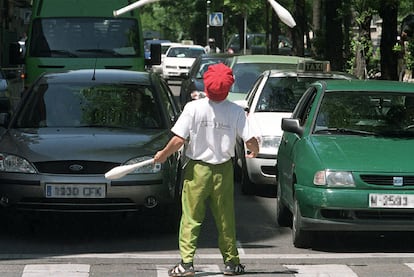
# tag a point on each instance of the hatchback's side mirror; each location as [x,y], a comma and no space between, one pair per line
[292,125]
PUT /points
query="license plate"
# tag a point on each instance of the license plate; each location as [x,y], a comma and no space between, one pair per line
[75,191]
[391,201]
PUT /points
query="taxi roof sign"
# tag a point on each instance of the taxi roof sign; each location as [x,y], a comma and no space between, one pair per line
[313,66]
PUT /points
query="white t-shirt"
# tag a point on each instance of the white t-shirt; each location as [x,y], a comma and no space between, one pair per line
[212,128]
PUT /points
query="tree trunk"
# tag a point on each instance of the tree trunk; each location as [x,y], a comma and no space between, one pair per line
[389,58]
[299,30]
[274,39]
[334,35]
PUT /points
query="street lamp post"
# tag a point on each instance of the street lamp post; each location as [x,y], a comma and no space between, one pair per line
[208,21]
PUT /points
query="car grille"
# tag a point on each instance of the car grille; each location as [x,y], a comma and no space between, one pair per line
[269,170]
[367,215]
[75,167]
[386,180]
[78,205]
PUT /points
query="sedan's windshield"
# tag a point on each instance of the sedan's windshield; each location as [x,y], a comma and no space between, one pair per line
[367,113]
[80,105]
[185,52]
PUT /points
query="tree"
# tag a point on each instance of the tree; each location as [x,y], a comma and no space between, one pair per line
[363,12]
[389,58]
[334,34]
[300,29]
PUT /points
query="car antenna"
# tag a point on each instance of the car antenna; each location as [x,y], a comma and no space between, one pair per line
[94,66]
[94,69]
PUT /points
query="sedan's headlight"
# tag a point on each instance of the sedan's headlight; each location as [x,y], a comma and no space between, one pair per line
[334,178]
[269,144]
[12,163]
[195,94]
[151,168]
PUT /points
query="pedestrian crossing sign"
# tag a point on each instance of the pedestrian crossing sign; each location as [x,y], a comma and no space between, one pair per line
[216,19]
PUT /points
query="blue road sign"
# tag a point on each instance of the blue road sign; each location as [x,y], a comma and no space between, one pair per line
[216,19]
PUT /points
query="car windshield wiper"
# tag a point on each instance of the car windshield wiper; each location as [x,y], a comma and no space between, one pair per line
[63,53]
[275,110]
[344,131]
[100,51]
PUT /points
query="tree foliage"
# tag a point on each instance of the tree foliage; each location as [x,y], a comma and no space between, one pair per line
[337,30]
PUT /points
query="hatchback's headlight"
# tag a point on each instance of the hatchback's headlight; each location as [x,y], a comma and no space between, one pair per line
[269,144]
[151,168]
[12,163]
[334,178]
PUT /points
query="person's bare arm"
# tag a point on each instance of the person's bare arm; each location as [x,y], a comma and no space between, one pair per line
[172,146]
[253,146]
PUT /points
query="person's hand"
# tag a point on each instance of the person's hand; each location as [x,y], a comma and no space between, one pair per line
[251,154]
[159,157]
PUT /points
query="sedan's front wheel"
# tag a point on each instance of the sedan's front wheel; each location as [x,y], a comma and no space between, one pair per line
[300,237]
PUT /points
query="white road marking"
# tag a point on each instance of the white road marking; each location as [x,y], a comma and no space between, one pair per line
[240,248]
[147,256]
[201,270]
[410,265]
[56,270]
[322,270]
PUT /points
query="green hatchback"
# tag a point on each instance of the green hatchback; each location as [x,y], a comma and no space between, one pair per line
[345,161]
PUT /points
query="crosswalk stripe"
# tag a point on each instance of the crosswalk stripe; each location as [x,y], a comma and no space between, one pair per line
[56,270]
[149,256]
[240,248]
[322,270]
[410,265]
[201,270]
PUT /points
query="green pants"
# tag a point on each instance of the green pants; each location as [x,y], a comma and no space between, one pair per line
[213,184]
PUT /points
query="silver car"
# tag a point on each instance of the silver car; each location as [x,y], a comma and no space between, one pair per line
[72,127]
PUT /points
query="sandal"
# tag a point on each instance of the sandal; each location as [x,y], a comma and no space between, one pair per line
[182,269]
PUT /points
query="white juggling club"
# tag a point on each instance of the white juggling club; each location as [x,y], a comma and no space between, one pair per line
[283,14]
[122,170]
[133,6]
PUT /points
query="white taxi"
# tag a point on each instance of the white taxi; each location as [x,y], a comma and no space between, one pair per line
[272,97]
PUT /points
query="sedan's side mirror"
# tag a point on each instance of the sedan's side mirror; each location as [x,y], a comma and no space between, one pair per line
[292,125]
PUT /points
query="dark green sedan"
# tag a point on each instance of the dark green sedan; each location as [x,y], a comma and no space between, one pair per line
[345,162]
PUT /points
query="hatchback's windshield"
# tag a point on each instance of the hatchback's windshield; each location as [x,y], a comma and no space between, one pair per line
[84,37]
[246,73]
[281,94]
[80,105]
[374,113]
